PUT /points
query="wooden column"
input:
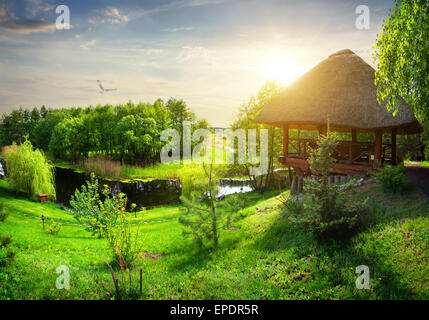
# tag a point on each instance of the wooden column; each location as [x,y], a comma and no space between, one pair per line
[285,140]
[393,145]
[378,147]
[352,146]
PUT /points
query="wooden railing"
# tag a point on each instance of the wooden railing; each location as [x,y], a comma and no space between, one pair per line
[358,153]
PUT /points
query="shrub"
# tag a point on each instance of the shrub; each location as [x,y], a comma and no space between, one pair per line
[392,178]
[89,210]
[126,286]
[53,227]
[3,213]
[122,241]
[233,205]
[327,210]
[6,255]
[29,171]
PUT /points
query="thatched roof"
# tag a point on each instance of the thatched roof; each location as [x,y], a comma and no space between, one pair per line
[341,87]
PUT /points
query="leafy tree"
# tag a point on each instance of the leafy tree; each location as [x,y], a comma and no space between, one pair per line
[245,120]
[43,131]
[403,57]
[69,138]
[199,192]
[88,208]
[29,171]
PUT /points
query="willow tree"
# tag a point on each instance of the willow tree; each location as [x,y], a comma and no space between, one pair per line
[29,171]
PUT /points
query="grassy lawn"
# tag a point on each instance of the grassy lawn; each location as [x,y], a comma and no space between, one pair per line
[420,163]
[265,258]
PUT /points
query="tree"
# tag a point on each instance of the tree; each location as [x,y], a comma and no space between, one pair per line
[199,191]
[245,120]
[69,139]
[43,131]
[403,58]
[98,216]
[29,171]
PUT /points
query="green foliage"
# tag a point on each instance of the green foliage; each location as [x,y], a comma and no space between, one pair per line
[267,257]
[245,120]
[3,213]
[129,132]
[199,192]
[123,242]
[91,211]
[326,210]
[29,171]
[52,227]
[6,254]
[392,178]
[233,204]
[402,55]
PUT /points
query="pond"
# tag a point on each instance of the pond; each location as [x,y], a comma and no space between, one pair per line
[143,193]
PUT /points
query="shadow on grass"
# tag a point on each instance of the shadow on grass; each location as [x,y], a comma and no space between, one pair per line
[333,263]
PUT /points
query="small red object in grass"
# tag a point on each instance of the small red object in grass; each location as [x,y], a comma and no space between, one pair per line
[43,198]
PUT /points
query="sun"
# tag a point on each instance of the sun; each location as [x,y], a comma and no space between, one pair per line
[281,70]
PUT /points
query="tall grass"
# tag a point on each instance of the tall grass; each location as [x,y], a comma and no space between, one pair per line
[102,167]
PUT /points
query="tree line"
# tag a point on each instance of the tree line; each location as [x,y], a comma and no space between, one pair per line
[129,133]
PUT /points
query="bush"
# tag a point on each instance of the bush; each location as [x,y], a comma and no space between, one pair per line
[53,227]
[392,178]
[327,210]
[6,255]
[3,213]
[89,210]
[29,171]
[122,241]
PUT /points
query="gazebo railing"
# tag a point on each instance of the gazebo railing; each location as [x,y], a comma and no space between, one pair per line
[357,153]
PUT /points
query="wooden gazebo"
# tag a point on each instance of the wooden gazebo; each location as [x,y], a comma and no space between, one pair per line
[340,88]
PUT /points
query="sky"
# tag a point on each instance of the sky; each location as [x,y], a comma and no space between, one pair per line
[214,54]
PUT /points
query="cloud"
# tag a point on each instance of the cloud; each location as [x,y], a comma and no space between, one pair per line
[2,12]
[26,26]
[88,45]
[198,3]
[178,29]
[77,36]
[108,15]
[33,7]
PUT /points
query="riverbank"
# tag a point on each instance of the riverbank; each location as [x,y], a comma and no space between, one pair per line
[264,256]
[128,173]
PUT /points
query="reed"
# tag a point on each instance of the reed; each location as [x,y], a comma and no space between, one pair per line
[103,167]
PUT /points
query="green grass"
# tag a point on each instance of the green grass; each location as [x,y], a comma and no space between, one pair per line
[266,258]
[129,173]
[420,163]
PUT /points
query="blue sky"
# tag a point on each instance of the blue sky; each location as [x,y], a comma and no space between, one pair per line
[214,54]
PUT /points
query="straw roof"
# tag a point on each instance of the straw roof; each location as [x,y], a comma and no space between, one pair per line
[342,88]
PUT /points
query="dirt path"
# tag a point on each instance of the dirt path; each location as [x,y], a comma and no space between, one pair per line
[419,176]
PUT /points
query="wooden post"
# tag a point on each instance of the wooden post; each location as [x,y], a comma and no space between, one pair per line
[285,140]
[352,146]
[393,146]
[378,147]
